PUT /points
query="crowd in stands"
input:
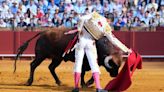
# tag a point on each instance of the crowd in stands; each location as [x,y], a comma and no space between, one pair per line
[56,13]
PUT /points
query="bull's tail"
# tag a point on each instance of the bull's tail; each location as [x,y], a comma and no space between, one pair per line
[22,48]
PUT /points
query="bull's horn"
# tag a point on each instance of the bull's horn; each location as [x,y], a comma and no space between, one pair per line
[106,61]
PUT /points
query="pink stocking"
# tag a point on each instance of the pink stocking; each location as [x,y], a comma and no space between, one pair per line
[96,77]
[76,79]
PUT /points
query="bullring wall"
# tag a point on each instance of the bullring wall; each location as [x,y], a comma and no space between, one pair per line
[146,43]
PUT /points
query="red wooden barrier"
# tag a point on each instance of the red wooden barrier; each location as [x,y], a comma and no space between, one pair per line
[149,43]
[7,40]
[146,43]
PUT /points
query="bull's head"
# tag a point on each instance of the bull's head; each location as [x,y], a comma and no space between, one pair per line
[110,55]
[112,63]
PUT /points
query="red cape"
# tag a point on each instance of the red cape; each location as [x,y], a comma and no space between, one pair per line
[123,79]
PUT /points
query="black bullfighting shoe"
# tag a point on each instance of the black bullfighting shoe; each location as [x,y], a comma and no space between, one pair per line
[101,90]
[75,90]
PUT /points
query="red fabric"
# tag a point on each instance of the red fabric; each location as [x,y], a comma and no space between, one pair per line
[39,15]
[123,79]
[71,44]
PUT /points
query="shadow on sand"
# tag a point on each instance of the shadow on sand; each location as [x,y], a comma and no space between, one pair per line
[43,87]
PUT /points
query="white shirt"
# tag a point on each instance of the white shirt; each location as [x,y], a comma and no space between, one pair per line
[3,24]
[33,8]
[4,9]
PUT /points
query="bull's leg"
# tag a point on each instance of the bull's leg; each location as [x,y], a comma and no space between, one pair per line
[82,79]
[52,67]
[33,66]
[90,81]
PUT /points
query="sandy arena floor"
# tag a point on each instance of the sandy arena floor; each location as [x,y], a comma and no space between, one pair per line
[149,79]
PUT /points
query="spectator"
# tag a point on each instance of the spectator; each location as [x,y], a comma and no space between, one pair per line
[32,7]
[22,8]
[13,23]
[70,22]
[143,24]
[98,6]
[68,6]
[52,7]
[57,11]
[116,16]
[64,14]
[31,25]
[124,18]
[106,6]
[49,23]
[146,18]
[25,2]
[142,5]
[45,2]
[50,15]
[126,10]
[60,23]
[18,15]
[8,23]
[55,19]
[61,7]
[26,18]
[89,5]
[2,23]
[1,15]
[39,13]
[136,22]
[57,2]
[159,20]
[141,13]
[129,24]
[45,18]
[86,12]
[161,11]
[79,8]
[124,13]
[118,7]
[22,24]
[119,24]
[152,12]
[42,6]
[152,24]
[152,4]
[4,9]
[39,23]
[14,8]
[162,3]
[111,6]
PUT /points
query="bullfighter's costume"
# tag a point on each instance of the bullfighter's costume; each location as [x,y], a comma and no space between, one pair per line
[91,27]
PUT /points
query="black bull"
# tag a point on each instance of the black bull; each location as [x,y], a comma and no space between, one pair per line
[51,44]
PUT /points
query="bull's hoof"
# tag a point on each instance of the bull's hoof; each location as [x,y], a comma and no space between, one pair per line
[83,85]
[59,83]
[75,90]
[29,82]
[89,83]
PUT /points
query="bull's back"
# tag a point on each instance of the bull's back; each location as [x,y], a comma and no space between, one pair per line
[53,43]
